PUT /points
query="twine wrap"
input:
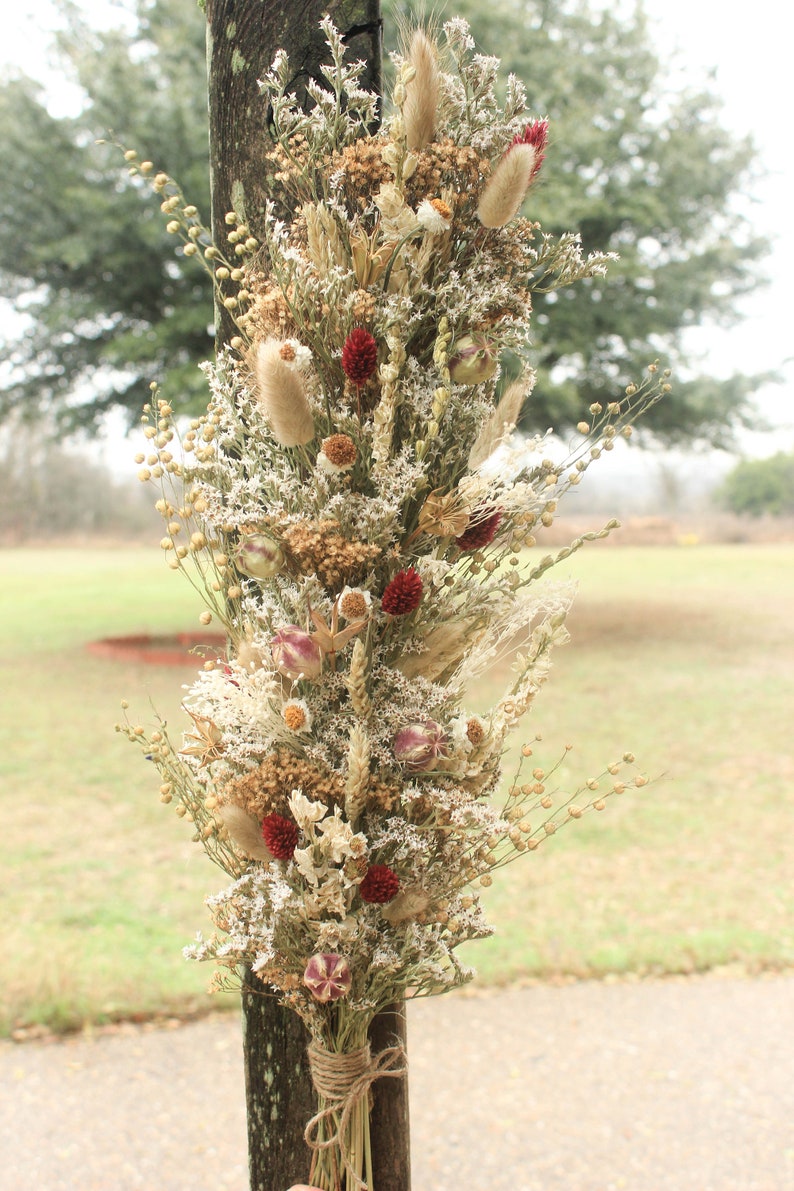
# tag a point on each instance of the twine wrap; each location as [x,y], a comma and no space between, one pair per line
[341,1081]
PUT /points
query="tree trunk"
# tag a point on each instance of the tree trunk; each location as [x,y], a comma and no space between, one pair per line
[242,39]
[389,1124]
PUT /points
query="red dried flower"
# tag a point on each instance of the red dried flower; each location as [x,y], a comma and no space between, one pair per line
[280,835]
[359,356]
[537,135]
[380,884]
[403,594]
[482,530]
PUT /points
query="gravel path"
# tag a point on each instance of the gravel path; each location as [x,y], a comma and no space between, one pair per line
[675,1085]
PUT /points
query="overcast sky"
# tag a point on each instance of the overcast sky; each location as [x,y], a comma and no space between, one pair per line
[746,60]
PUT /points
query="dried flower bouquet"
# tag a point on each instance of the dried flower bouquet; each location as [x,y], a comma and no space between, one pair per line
[341,507]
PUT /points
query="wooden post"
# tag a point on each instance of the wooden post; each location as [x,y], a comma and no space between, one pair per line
[242,39]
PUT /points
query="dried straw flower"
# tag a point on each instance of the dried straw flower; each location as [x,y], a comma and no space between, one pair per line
[434,215]
[354,603]
[475,730]
[296,715]
[338,454]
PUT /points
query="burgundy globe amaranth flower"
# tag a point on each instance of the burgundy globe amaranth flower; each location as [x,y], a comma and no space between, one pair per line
[359,356]
[380,885]
[280,835]
[481,530]
[403,594]
[419,746]
[296,653]
[328,977]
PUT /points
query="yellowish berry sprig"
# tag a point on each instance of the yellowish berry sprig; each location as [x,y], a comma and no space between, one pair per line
[535,809]
[180,788]
[188,538]
[225,269]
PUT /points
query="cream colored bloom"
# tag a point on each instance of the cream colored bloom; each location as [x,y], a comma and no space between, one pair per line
[432,217]
[306,811]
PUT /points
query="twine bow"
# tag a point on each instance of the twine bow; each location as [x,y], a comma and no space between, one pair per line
[341,1081]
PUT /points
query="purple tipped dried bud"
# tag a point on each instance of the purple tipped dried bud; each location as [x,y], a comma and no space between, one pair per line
[259,556]
[296,653]
[419,746]
[471,361]
[328,977]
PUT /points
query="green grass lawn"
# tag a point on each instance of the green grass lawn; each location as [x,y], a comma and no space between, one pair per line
[683,655]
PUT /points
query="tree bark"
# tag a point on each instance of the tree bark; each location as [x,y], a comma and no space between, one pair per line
[278,1091]
[389,1123]
[242,39]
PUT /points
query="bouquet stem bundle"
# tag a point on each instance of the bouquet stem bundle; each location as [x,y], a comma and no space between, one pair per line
[355,506]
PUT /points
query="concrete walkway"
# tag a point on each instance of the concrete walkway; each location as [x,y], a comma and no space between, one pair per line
[675,1085]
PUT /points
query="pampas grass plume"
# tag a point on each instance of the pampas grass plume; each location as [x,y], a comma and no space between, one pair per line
[421,104]
[504,191]
[281,396]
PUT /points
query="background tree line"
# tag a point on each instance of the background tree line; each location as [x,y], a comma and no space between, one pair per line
[109,305]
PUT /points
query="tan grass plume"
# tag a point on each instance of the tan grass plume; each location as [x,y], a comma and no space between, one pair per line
[246,832]
[281,395]
[504,191]
[502,420]
[421,105]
